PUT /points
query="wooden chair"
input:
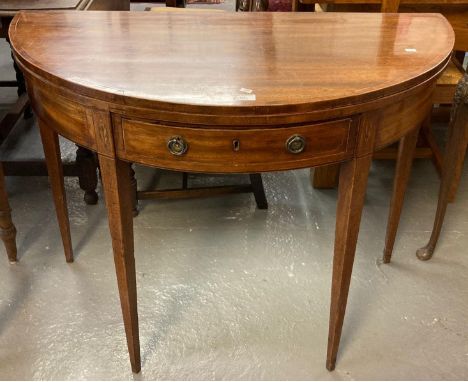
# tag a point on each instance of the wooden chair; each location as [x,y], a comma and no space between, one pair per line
[453,161]
[85,166]
[457,15]
[169,3]
[327,176]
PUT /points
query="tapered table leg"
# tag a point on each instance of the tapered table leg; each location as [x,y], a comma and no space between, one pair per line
[324,177]
[258,191]
[453,160]
[50,143]
[7,229]
[134,187]
[351,194]
[115,176]
[404,163]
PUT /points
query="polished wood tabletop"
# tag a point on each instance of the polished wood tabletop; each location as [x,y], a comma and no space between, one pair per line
[246,97]
[285,52]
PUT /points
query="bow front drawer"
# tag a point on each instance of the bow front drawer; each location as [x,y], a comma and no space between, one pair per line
[204,149]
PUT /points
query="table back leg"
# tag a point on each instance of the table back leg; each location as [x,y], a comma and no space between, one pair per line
[50,143]
[324,177]
[351,194]
[406,149]
[453,160]
[258,191]
[7,229]
[117,190]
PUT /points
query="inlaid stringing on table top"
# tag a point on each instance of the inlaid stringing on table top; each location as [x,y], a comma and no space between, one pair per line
[140,87]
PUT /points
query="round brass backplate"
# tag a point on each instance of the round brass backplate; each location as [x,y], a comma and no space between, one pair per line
[295,144]
[177,146]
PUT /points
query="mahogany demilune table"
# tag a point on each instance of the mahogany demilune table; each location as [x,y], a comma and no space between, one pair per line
[113,89]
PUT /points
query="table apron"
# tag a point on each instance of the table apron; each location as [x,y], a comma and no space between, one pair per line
[229,148]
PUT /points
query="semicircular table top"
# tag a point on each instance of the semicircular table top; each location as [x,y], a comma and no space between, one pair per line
[233,59]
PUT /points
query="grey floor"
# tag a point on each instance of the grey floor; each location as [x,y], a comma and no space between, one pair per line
[226,291]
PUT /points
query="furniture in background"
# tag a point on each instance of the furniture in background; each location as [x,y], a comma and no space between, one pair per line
[185,192]
[457,14]
[117,112]
[252,5]
[255,186]
[453,161]
[456,11]
[269,5]
[85,167]
[7,228]
[169,3]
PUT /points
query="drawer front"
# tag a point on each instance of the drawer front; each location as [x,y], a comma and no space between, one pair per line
[234,150]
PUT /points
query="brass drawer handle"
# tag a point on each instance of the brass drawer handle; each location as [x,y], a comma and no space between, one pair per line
[177,146]
[295,144]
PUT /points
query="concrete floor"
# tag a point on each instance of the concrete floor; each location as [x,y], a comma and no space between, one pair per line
[230,292]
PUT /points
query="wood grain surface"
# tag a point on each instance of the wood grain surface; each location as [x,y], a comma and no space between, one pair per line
[229,59]
[232,90]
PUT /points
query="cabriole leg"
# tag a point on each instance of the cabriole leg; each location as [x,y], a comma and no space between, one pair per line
[453,160]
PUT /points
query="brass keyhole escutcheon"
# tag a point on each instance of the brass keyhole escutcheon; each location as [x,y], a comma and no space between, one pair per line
[295,144]
[177,146]
[236,145]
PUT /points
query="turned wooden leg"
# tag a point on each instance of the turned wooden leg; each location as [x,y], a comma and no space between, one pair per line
[117,191]
[258,191]
[351,194]
[453,160]
[405,157]
[7,229]
[87,174]
[325,176]
[50,143]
